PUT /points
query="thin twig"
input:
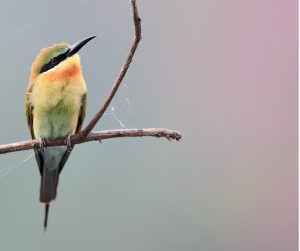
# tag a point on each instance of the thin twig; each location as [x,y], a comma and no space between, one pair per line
[138,36]
[98,136]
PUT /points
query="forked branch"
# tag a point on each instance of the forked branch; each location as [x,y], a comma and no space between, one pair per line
[86,135]
[137,39]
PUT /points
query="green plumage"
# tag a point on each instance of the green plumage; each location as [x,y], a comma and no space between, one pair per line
[55,107]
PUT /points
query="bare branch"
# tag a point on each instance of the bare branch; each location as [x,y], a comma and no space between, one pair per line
[138,36]
[86,134]
[98,136]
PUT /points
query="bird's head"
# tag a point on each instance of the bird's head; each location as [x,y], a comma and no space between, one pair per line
[59,61]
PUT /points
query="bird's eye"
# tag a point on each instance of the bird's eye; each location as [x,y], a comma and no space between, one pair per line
[53,61]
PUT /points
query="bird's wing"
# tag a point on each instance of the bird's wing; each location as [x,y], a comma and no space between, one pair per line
[28,112]
[81,116]
[81,112]
[29,115]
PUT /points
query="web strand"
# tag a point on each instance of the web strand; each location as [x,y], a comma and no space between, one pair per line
[11,167]
[26,27]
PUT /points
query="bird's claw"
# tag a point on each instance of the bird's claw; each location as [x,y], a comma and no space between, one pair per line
[69,144]
[43,144]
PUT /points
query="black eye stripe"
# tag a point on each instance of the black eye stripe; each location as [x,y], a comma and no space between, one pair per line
[49,66]
[54,62]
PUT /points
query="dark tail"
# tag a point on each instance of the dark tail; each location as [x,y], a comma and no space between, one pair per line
[49,183]
[46,216]
[51,162]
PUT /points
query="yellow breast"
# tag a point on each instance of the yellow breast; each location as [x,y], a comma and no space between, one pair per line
[56,98]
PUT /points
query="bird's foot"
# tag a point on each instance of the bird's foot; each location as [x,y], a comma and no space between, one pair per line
[69,144]
[43,144]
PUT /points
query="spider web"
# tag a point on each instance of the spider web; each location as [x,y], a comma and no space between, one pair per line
[11,161]
[43,20]
[120,113]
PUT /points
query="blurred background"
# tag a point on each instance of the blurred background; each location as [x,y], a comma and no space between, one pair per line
[224,73]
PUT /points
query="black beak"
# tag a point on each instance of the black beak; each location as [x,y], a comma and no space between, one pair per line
[77,46]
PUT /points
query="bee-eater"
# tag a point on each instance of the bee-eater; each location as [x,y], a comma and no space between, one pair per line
[55,106]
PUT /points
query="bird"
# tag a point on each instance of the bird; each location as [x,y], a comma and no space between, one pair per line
[55,107]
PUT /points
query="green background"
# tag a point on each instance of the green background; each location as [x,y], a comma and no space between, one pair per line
[224,73]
